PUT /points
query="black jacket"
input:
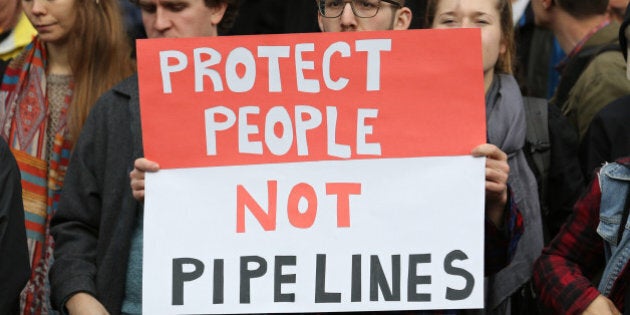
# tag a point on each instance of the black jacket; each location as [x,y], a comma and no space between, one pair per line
[608,136]
[96,215]
[14,262]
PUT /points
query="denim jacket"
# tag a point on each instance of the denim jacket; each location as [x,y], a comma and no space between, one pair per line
[614,180]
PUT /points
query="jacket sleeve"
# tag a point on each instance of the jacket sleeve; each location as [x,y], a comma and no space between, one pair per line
[14,260]
[500,243]
[562,273]
[75,224]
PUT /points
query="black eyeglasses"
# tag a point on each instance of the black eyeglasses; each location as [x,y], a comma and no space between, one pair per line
[360,8]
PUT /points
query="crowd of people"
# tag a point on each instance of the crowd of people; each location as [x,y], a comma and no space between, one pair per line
[557,164]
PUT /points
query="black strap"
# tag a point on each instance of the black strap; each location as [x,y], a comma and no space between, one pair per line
[538,144]
[3,67]
[574,68]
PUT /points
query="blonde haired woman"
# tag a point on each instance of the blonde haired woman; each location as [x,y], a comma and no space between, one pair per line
[47,91]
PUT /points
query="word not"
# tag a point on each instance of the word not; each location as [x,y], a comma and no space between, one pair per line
[300,219]
[255,267]
[294,130]
[206,58]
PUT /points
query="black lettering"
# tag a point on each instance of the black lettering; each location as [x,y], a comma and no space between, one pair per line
[414,279]
[453,294]
[355,291]
[321,296]
[280,278]
[247,275]
[379,281]
[179,277]
[218,286]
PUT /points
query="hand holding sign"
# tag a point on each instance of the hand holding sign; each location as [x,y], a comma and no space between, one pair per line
[335,198]
[497,170]
[136,176]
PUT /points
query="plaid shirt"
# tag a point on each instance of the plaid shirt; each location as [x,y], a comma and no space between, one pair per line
[562,275]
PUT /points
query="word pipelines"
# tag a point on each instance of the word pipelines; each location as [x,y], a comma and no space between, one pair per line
[253,267]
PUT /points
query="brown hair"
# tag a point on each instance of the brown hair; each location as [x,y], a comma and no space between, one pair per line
[583,8]
[505,62]
[228,17]
[100,56]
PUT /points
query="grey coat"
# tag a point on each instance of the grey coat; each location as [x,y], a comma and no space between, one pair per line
[96,214]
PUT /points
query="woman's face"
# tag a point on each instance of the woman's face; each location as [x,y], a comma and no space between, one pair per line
[475,13]
[53,19]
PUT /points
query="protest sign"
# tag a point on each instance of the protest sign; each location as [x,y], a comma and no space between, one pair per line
[313,172]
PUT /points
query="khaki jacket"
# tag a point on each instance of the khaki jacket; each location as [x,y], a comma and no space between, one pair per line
[603,81]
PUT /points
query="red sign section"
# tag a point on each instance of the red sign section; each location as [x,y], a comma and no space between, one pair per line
[311,97]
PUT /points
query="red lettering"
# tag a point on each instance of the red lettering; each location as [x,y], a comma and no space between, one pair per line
[301,193]
[304,219]
[244,199]
[343,192]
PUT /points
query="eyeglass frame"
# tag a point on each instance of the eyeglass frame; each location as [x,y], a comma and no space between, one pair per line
[319,8]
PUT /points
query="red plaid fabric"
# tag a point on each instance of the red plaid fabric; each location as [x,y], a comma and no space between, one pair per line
[563,273]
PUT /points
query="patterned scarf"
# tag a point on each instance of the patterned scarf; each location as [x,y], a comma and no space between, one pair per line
[24,119]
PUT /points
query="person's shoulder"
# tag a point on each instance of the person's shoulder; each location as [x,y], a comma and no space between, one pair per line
[4,147]
[120,93]
[610,62]
[625,161]
[6,158]
[620,169]
[128,86]
[606,72]
[618,109]
[116,101]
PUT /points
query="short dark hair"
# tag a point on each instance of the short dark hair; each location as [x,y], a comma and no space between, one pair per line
[583,8]
[228,18]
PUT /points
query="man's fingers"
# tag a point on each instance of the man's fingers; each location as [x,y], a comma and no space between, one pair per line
[145,165]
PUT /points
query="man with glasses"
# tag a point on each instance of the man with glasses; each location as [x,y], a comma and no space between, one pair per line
[380,15]
[363,15]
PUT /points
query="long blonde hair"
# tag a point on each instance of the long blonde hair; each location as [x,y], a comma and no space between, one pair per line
[100,56]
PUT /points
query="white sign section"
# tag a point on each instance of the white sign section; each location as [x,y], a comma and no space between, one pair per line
[355,235]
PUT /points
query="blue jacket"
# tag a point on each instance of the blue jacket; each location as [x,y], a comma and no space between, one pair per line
[614,180]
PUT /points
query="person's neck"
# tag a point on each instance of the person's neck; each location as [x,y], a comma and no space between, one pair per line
[570,31]
[58,62]
[488,77]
